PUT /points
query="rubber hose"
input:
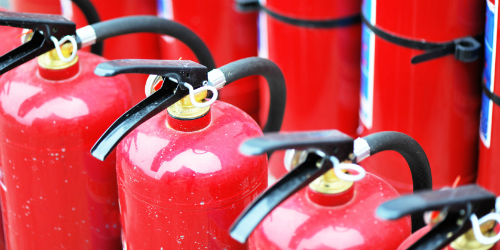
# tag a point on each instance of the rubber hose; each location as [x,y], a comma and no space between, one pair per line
[92,17]
[414,156]
[275,79]
[152,24]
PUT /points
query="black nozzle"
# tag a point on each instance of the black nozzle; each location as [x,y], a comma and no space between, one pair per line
[174,73]
[458,203]
[43,27]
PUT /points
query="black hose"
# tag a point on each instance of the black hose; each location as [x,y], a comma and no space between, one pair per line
[414,156]
[275,79]
[152,24]
[92,17]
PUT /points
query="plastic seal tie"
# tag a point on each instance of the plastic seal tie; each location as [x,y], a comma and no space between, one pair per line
[338,167]
[198,90]
[58,48]
[477,223]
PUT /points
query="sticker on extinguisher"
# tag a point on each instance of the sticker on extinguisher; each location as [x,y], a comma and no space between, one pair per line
[490,41]
[166,11]
[367,58]
[263,46]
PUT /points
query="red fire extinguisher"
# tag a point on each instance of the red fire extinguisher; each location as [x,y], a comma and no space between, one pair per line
[142,45]
[412,83]
[10,40]
[490,113]
[53,190]
[181,180]
[456,225]
[315,45]
[318,206]
[235,38]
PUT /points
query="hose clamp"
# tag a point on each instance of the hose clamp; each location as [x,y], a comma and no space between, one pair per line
[87,35]
[216,78]
[361,149]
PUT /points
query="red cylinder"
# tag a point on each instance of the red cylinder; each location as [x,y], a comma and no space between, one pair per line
[320,65]
[55,194]
[332,222]
[436,102]
[142,45]
[489,145]
[183,189]
[10,40]
[230,35]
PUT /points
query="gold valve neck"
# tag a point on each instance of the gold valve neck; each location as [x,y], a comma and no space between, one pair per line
[184,109]
[50,60]
[330,183]
[467,241]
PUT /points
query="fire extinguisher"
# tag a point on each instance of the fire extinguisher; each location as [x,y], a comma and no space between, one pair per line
[181,180]
[456,225]
[317,205]
[140,45]
[53,191]
[490,114]
[10,40]
[236,38]
[317,44]
[412,83]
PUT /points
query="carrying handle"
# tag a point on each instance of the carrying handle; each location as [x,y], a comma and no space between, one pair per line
[458,204]
[174,72]
[44,27]
[325,150]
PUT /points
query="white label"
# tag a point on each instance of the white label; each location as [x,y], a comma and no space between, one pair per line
[66,9]
[263,47]
[367,64]
[490,44]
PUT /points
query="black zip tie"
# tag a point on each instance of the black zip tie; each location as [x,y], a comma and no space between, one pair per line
[253,5]
[492,96]
[466,49]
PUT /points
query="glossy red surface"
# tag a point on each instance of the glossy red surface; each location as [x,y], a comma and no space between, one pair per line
[436,102]
[55,195]
[9,42]
[299,223]
[132,46]
[414,237]
[230,35]
[183,190]
[321,69]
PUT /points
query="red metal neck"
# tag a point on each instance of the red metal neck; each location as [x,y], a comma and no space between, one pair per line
[330,199]
[59,74]
[189,125]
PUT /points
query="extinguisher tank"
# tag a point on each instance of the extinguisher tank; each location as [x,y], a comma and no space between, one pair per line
[182,181]
[54,193]
[430,47]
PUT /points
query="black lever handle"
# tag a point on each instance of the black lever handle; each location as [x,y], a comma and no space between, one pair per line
[324,144]
[458,203]
[174,73]
[328,141]
[43,26]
